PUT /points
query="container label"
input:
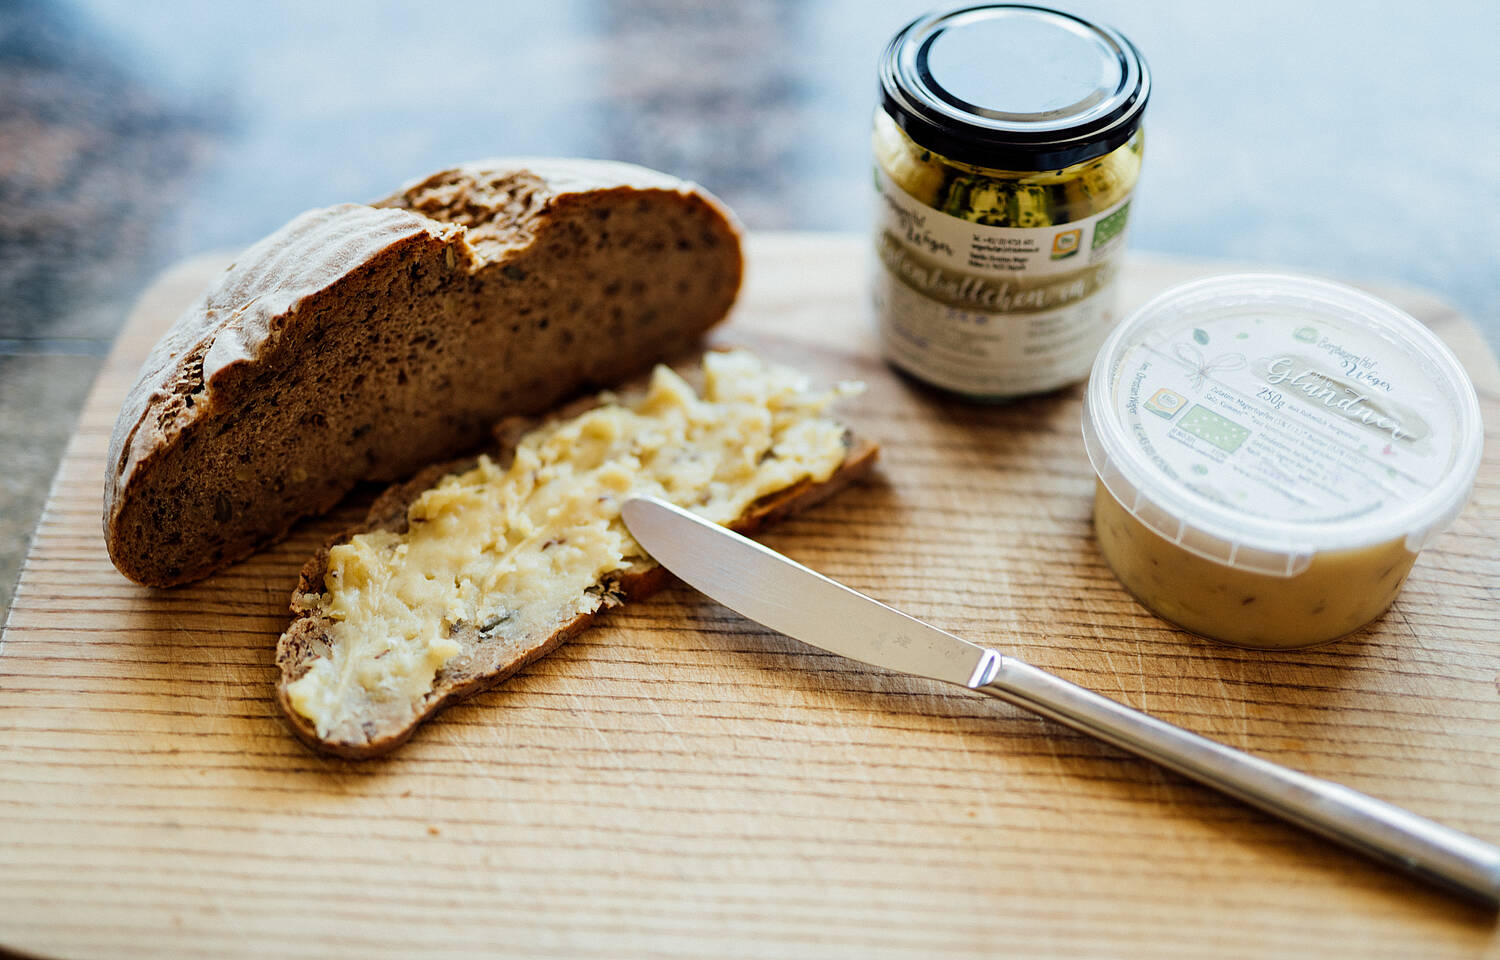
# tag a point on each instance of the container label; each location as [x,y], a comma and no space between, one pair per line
[1285,417]
[992,311]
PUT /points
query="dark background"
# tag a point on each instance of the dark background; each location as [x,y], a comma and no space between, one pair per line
[1358,140]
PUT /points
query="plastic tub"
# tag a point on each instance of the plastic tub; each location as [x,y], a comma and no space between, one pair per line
[1272,454]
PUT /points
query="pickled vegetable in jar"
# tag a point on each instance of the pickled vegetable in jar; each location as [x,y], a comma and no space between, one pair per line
[1007,144]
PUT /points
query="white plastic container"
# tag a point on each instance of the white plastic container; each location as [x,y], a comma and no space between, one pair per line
[1272,453]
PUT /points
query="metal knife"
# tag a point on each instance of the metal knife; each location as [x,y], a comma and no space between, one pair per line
[780,593]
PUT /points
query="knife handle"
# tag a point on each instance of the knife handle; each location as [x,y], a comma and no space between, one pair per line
[1373,827]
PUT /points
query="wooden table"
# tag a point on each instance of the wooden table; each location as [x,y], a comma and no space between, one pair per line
[681,783]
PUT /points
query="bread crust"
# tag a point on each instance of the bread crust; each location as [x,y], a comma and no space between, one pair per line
[224,441]
[309,634]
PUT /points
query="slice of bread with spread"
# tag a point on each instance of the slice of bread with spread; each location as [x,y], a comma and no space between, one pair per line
[362,342]
[471,570]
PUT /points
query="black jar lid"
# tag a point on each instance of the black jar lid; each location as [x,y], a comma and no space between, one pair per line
[1014,87]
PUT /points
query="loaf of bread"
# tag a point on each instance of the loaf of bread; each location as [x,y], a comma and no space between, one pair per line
[362,342]
[473,569]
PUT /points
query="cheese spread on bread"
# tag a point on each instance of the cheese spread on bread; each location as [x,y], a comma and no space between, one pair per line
[522,550]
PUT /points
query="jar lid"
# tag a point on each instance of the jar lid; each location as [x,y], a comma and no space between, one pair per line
[1013,87]
[1258,420]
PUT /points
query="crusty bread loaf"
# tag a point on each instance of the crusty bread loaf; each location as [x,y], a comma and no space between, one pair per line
[487,658]
[362,342]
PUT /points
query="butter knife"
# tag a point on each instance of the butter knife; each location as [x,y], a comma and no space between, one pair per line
[772,590]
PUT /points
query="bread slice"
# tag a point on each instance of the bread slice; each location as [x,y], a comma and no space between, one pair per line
[373,727]
[362,342]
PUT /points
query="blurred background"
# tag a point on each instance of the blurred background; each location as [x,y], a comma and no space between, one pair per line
[1359,140]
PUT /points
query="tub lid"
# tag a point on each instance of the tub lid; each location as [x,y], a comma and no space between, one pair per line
[1259,419]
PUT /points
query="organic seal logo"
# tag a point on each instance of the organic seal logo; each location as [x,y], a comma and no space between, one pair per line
[1166,403]
[1066,244]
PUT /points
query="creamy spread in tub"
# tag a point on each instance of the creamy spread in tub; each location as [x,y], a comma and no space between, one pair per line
[1339,591]
[1272,453]
[516,550]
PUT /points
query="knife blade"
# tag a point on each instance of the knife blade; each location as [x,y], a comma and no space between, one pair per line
[761,584]
[786,596]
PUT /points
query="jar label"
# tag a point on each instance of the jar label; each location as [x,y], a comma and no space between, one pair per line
[992,311]
[1286,415]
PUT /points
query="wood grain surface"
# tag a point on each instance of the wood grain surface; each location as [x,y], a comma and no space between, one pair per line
[681,783]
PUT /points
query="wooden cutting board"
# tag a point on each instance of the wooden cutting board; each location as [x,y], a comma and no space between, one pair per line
[681,783]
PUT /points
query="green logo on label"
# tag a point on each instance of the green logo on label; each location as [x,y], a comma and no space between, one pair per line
[1110,227]
[1222,432]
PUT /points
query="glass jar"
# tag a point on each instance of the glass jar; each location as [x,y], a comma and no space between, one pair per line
[1007,144]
